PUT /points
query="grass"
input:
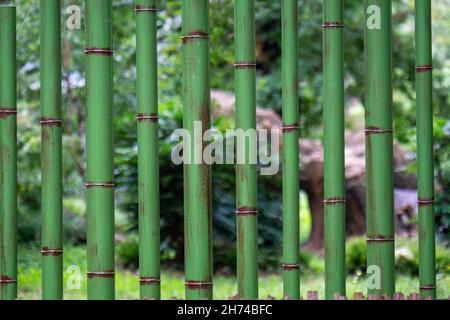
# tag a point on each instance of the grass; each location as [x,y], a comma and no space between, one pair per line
[173,282]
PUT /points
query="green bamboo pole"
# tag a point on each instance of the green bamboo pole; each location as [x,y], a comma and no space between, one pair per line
[148,157]
[100,175]
[51,152]
[425,183]
[8,154]
[246,174]
[379,150]
[291,240]
[197,174]
[334,162]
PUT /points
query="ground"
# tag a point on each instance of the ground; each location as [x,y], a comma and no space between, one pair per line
[173,282]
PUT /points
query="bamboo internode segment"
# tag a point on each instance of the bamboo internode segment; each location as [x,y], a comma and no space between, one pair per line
[290,155]
[333,139]
[379,146]
[8,154]
[197,177]
[425,157]
[99,150]
[246,173]
[148,149]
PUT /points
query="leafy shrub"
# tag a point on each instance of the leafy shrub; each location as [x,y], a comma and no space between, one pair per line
[406,256]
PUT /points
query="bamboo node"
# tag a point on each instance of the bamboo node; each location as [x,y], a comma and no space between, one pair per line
[290,128]
[332,25]
[149,280]
[245,211]
[427,287]
[375,130]
[7,112]
[425,202]
[153,117]
[290,266]
[101,274]
[51,252]
[100,184]
[7,280]
[380,239]
[424,68]
[195,35]
[140,8]
[50,122]
[195,285]
[99,51]
[334,200]
[245,65]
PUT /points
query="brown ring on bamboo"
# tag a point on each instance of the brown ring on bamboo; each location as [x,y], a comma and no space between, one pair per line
[99,51]
[380,239]
[50,122]
[153,117]
[375,130]
[194,35]
[332,25]
[290,128]
[101,274]
[428,287]
[290,266]
[196,285]
[334,200]
[245,65]
[424,68]
[149,280]
[7,280]
[140,8]
[51,252]
[7,112]
[425,202]
[100,184]
[244,211]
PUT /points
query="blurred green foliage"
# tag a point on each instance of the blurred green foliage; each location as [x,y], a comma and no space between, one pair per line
[406,257]
[222,77]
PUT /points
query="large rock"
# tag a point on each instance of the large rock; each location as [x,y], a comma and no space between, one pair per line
[311,175]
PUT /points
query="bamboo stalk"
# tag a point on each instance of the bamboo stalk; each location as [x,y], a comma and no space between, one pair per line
[100,175]
[51,152]
[246,174]
[425,183]
[291,240]
[334,162]
[8,154]
[197,174]
[148,156]
[379,148]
